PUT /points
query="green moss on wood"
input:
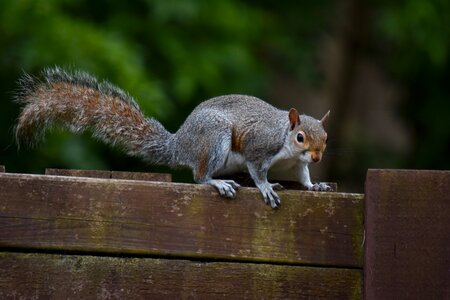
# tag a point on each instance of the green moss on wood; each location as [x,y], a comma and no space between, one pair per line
[96,277]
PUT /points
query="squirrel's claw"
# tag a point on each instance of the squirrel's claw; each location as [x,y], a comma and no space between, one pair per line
[226,188]
[277,186]
[270,197]
[234,184]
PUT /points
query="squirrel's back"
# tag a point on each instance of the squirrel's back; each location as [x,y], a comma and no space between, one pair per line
[240,107]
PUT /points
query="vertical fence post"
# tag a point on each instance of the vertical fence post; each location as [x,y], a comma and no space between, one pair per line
[407,228]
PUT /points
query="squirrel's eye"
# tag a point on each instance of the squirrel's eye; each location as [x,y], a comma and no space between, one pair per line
[300,137]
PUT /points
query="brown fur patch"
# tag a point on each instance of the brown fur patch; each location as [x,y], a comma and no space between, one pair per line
[202,166]
[237,140]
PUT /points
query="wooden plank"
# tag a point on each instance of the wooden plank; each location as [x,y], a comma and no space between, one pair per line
[47,276]
[79,173]
[110,174]
[407,251]
[185,220]
[141,176]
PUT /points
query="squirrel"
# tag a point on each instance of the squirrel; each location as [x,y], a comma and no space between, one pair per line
[221,136]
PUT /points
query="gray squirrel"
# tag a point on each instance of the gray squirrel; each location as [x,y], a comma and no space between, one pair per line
[222,136]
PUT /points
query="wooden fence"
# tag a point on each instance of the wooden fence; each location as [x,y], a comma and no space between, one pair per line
[124,236]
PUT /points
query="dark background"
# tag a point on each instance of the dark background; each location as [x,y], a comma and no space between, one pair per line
[381,67]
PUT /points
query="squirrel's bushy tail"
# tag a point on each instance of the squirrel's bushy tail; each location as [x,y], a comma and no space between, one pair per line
[77,101]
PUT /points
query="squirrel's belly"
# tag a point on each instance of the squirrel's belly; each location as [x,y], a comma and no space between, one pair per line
[234,163]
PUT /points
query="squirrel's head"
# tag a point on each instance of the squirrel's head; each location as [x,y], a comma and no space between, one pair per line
[307,136]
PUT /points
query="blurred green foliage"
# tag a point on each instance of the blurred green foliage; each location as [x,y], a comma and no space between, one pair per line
[419,58]
[171,55]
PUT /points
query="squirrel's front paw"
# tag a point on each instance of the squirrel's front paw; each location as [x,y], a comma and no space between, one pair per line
[320,187]
[270,197]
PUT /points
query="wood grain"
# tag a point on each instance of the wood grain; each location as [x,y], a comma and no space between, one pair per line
[183,220]
[141,176]
[47,276]
[407,250]
[79,173]
[111,174]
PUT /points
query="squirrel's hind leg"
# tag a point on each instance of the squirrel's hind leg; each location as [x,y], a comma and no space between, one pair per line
[211,162]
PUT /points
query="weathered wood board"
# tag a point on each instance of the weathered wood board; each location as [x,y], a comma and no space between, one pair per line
[407,248]
[47,276]
[183,220]
[110,174]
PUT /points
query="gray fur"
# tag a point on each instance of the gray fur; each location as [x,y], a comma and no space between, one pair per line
[267,128]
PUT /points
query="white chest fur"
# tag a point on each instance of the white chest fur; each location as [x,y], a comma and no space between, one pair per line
[234,163]
[284,166]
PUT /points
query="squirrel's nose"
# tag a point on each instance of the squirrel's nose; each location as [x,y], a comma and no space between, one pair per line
[315,157]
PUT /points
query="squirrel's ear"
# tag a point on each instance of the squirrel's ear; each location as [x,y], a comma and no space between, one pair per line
[294,118]
[324,119]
